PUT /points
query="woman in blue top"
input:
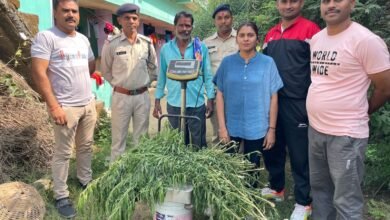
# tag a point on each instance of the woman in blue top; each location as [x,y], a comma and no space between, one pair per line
[247,99]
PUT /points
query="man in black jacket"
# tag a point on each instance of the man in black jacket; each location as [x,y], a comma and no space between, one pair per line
[287,43]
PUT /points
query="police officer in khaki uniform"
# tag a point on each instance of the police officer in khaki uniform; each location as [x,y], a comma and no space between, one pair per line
[128,62]
[221,44]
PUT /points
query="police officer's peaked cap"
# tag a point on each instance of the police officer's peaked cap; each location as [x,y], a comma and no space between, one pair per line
[222,7]
[127,8]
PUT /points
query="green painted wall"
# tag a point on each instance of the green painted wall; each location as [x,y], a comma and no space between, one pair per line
[163,10]
[42,8]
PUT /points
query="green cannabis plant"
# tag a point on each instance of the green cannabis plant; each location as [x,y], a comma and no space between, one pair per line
[220,181]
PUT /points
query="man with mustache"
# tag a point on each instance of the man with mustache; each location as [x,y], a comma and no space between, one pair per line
[345,59]
[62,61]
[287,43]
[221,44]
[183,46]
[128,63]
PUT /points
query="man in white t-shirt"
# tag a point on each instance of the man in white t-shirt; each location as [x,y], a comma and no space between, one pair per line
[345,59]
[62,61]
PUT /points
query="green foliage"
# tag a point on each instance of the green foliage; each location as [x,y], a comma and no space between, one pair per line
[8,84]
[103,130]
[102,145]
[377,156]
[15,59]
[144,173]
[374,14]
[378,210]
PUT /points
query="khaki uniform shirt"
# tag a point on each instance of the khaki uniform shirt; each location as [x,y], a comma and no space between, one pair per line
[130,66]
[219,48]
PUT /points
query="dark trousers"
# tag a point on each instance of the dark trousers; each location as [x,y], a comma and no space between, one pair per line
[250,146]
[196,130]
[291,131]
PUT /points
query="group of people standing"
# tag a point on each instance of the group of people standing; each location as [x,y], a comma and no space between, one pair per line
[306,94]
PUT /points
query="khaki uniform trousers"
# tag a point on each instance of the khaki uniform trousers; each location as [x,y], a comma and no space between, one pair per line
[79,131]
[123,109]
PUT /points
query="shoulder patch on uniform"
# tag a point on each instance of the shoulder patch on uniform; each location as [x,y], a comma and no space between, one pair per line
[110,39]
[147,39]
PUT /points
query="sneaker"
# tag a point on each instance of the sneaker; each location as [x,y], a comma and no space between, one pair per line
[65,208]
[272,194]
[301,212]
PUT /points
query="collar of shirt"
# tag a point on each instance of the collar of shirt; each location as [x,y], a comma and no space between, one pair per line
[188,45]
[279,27]
[233,33]
[187,51]
[123,37]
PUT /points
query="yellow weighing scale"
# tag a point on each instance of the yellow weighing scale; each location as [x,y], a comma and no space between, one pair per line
[183,71]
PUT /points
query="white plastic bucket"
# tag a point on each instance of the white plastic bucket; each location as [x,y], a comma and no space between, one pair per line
[172,211]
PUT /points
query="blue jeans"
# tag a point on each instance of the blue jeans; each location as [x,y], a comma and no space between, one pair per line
[196,130]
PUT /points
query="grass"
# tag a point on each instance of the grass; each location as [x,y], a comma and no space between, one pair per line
[100,164]
[377,208]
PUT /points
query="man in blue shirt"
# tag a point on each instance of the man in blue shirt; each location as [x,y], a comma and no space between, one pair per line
[182,47]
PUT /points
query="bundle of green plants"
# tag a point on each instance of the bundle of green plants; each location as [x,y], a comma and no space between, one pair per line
[220,181]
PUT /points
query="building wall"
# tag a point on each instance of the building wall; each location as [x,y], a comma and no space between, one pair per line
[42,8]
[159,10]
[163,10]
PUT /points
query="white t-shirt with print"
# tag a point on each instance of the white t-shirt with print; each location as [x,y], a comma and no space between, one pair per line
[68,70]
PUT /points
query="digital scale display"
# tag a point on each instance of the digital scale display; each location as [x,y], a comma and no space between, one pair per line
[183,70]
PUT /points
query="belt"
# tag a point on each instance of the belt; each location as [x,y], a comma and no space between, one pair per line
[130,92]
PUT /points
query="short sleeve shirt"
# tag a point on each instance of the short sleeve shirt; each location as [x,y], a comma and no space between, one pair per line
[68,70]
[220,48]
[340,64]
[247,89]
[128,65]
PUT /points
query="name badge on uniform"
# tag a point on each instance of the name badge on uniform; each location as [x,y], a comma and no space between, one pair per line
[120,52]
[212,49]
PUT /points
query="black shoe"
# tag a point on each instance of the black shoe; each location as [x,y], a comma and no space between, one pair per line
[84,186]
[65,208]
